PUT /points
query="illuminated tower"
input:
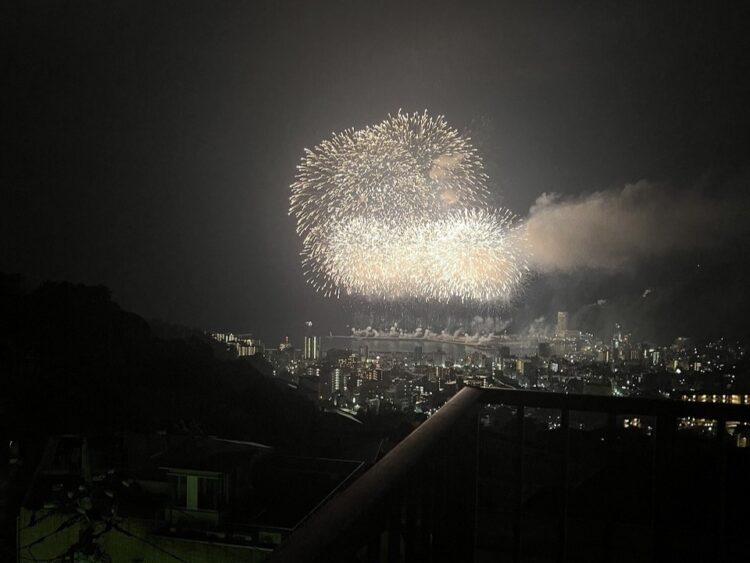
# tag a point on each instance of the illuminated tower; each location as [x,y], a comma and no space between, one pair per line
[562,324]
[337,380]
[312,348]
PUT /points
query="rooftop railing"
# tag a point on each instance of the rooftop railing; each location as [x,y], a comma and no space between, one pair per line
[420,502]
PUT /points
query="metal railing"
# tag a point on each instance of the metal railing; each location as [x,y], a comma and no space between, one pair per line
[419,503]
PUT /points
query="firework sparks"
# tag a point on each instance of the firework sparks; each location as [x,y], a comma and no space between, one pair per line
[399,211]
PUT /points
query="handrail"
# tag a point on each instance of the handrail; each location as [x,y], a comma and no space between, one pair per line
[346,510]
[620,405]
[353,508]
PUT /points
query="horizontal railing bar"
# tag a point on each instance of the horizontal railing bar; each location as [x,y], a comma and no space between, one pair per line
[619,405]
[348,510]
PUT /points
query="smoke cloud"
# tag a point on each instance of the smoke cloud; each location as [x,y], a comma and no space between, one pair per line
[478,330]
[615,229]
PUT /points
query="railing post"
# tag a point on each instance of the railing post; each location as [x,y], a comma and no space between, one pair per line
[475,483]
[373,547]
[413,492]
[519,484]
[661,489]
[469,482]
[427,507]
[395,506]
[565,459]
[441,543]
[721,445]
[612,462]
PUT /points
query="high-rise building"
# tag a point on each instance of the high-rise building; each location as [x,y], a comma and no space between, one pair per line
[617,342]
[247,345]
[285,344]
[312,348]
[242,344]
[562,324]
[337,379]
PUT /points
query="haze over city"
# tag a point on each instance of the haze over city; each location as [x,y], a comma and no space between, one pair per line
[159,164]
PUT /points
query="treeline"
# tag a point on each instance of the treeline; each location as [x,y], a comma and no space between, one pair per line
[71,360]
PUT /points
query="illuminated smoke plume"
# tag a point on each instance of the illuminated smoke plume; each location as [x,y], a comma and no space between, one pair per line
[615,229]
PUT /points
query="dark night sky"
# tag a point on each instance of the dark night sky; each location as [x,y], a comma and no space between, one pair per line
[150,145]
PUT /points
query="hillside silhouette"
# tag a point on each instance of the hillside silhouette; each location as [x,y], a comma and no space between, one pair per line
[71,360]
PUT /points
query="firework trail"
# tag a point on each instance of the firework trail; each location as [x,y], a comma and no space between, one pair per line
[399,211]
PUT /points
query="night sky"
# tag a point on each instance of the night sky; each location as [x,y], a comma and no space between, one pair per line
[150,145]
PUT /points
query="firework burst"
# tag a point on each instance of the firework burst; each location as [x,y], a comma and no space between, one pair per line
[466,255]
[399,211]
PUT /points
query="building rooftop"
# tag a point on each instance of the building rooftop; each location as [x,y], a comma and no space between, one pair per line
[247,487]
